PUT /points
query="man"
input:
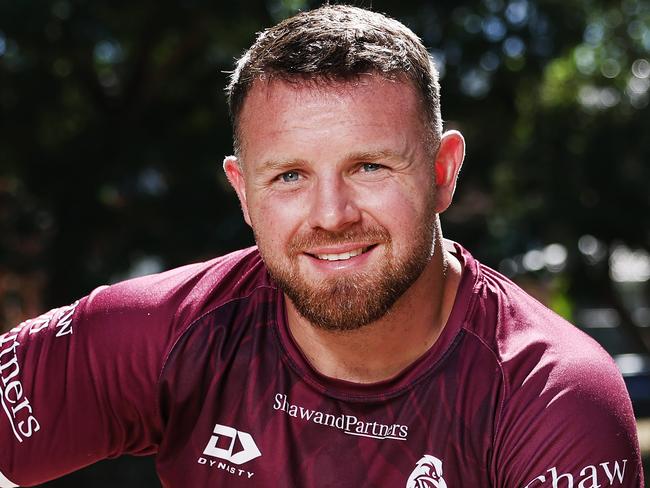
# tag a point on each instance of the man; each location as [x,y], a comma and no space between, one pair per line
[354,347]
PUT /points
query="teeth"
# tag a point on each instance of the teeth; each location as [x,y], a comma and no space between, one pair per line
[342,256]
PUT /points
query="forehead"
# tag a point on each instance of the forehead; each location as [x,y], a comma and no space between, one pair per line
[273,90]
[274,108]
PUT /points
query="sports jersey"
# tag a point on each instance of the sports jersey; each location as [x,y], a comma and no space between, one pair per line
[197,366]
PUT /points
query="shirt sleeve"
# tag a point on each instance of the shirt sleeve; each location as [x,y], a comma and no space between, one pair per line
[78,384]
[566,423]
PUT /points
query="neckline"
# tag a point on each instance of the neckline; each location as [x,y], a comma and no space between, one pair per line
[412,374]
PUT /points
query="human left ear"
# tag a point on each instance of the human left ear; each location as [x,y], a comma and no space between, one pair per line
[449,160]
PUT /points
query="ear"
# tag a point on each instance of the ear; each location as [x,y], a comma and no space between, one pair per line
[235,175]
[447,166]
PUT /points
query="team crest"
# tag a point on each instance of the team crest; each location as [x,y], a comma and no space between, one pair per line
[427,474]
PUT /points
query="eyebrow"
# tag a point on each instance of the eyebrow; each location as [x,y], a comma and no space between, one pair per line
[372,155]
[282,164]
[285,164]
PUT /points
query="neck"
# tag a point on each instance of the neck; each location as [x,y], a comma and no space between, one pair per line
[380,350]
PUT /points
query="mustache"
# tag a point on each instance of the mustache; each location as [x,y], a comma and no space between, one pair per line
[321,237]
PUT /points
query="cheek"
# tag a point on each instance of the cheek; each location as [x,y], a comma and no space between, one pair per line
[274,220]
[398,208]
[407,216]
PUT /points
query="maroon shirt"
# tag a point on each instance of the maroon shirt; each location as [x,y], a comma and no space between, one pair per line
[196,365]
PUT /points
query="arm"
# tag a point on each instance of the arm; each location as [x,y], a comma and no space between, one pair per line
[567,423]
[78,385]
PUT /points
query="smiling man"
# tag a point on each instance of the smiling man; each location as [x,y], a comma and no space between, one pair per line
[341,193]
[354,346]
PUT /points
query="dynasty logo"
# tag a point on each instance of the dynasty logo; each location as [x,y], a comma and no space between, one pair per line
[232,446]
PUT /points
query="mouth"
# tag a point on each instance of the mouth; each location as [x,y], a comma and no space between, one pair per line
[343,256]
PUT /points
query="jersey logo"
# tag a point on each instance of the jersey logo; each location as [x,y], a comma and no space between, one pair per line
[427,474]
[237,447]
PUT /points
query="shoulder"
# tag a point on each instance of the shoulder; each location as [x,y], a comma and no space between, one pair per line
[187,290]
[543,359]
[146,317]
[563,406]
[159,308]
[528,339]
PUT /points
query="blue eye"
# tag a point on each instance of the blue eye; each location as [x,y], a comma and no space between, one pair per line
[370,167]
[290,176]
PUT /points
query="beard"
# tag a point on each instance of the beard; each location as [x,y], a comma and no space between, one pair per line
[356,299]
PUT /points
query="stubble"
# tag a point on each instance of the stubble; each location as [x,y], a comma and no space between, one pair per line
[352,300]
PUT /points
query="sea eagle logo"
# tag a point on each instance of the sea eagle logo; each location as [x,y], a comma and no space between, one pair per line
[427,474]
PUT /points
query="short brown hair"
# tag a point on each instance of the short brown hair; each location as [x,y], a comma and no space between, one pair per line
[337,43]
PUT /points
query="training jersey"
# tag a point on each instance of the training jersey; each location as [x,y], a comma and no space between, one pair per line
[197,366]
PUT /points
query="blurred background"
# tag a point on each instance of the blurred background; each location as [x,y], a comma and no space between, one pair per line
[113,126]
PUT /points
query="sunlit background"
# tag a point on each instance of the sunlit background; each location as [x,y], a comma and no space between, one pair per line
[113,126]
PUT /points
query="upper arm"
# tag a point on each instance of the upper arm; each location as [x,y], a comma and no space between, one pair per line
[568,424]
[77,385]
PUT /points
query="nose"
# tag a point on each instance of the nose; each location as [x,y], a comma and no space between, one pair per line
[333,206]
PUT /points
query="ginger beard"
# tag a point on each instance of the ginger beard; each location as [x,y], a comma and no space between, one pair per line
[355,299]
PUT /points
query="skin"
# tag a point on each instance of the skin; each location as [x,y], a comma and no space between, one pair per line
[338,167]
